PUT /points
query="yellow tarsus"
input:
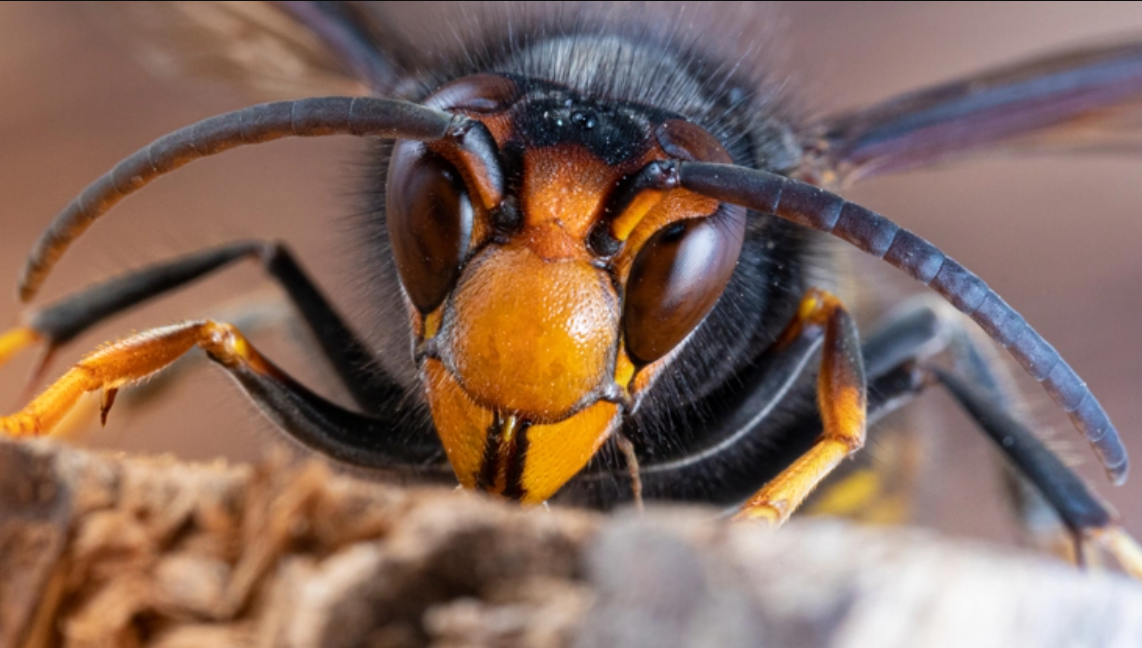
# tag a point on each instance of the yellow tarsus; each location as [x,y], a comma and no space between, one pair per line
[15,341]
[783,495]
[125,362]
[1123,547]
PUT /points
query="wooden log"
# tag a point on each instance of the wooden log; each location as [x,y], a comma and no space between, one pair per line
[99,550]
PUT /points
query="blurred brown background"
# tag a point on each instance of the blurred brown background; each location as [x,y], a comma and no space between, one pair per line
[1059,238]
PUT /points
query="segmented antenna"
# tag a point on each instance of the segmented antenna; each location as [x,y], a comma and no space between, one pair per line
[821,210]
[315,117]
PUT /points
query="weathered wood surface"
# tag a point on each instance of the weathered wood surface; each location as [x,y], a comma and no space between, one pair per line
[106,551]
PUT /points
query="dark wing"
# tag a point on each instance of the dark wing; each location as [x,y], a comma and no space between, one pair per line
[1089,99]
[276,49]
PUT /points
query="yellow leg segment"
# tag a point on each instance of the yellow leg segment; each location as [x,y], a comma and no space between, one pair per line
[881,492]
[125,362]
[1120,544]
[15,341]
[842,401]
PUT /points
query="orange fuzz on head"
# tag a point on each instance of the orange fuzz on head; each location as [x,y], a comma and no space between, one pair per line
[516,260]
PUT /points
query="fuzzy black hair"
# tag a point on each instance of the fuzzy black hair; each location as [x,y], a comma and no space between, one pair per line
[610,55]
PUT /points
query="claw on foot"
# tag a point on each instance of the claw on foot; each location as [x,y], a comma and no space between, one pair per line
[105,404]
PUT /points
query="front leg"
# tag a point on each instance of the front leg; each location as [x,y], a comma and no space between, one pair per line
[356,439]
[843,402]
[59,323]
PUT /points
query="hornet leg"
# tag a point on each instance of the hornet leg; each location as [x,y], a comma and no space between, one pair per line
[315,422]
[843,403]
[59,323]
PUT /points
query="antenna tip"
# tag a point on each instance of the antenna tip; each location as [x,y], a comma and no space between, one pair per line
[32,277]
[1114,458]
[1118,474]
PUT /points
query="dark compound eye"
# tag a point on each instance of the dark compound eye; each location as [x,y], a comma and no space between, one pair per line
[683,140]
[676,280]
[478,93]
[429,217]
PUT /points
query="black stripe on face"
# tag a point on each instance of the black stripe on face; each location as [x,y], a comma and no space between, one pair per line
[513,488]
[486,480]
[503,454]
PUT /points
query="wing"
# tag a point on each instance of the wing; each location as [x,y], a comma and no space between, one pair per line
[1082,100]
[276,49]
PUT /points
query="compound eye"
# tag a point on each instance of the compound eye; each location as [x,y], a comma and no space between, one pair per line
[429,218]
[683,140]
[478,93]
[676,280]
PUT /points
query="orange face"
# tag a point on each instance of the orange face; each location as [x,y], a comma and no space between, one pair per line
[531,266]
